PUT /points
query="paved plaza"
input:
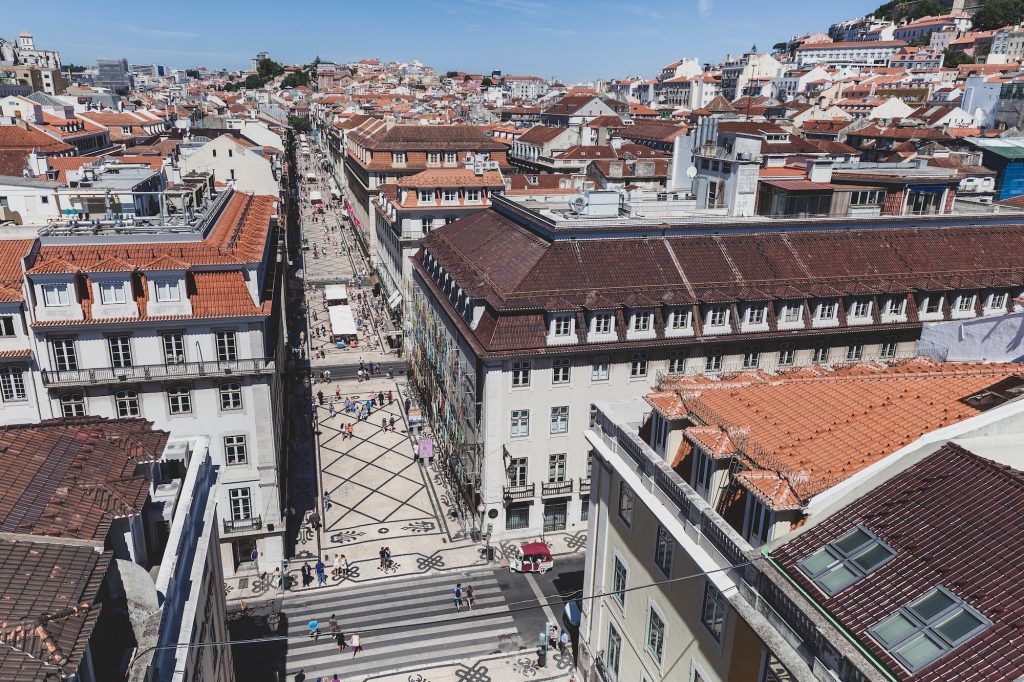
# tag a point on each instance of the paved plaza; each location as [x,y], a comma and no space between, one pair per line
[366,490]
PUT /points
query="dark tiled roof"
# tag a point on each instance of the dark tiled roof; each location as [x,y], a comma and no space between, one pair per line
[541,134]
[71,477]
[49,604]
[954,519]
[430,137]
[605,273]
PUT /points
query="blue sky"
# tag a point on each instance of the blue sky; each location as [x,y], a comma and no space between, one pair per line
[575,40]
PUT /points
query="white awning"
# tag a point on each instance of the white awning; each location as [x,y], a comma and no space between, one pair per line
[336,294]
[394,299]
[343,323]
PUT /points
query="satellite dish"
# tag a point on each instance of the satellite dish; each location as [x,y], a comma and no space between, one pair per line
[691,172]
[578,204]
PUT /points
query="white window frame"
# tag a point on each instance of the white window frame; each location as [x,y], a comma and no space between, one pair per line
[965,303]
[126,403]
[236,449]
[521,371]
[641,322]
[179,400]
[230,396]
[996,301]
[855,352]
[472,196]
[600,368]
[860,308]
[718,316]
[787,355]
[167,290]
[562,325]
[559,420]
[7,327]
[12,384]
[227,345]
[433,159]
[556,467]
[788,310]
[714,360]
[603,323]
[639,366]
[676,362]
[56,295]
[756,315]
[120,350]
[758,521]
[174,347]
[425,196]
[827,311]
[65,354]
[561,371]
[72,405]
[656,650]
[240,502]
[450,195]
[112,293]
[398,158]
[520,424]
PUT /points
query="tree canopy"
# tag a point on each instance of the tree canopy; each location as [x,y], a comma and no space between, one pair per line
[998,13]
[952,59]
[300,123]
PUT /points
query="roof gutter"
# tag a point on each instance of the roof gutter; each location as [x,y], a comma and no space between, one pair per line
[827,616]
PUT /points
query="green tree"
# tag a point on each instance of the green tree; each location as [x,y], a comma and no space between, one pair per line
[953,58]
[998,13]
[300,123]
[780,46]
[295,79]
[268,68]
[254,82]
[486,82]
[926,8]
[921,41]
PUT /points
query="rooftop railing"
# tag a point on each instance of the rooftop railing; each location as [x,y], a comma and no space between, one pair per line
[182,370]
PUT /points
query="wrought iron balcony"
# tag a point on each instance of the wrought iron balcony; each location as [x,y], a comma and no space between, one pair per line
[181,370]
[242,525]
[556,488]
[585,486]
[520,492]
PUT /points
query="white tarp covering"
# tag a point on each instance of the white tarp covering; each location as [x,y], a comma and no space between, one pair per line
[343,323]
[394,299]
[336,294]
[315,198]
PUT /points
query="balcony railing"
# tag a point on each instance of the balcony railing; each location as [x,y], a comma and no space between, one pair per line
[556,488]
[242,525]
[182,370]
[585,486]
[520,492]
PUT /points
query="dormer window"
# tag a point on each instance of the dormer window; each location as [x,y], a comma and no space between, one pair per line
[450,158]
[827,310]
[680,319]
[561,325]
[112,293]
[860,308]
[603,323]
[450,196]
[56,295]
[996,301]
[792,312]
[965,303]
[895,306]
[472,196]
[931,305]
[167,290]
[641,322]
[718,316]
[755,315]
[426,196]
[433,158]
[398,158]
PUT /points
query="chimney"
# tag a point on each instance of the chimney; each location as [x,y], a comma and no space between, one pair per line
[819,170]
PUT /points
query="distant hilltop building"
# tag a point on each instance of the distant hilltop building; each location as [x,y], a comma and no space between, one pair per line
[38,69]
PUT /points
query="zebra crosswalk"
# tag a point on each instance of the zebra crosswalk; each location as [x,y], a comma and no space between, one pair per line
[402,623]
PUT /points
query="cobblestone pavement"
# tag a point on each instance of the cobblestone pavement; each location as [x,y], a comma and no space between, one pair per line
[370,490]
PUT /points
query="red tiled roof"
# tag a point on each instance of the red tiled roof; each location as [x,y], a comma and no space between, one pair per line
[72,477]
[52,598]
[11,253]
[231,241]
[540,134]
[813,432]
[954,519]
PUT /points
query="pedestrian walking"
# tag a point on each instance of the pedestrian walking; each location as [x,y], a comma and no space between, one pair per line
[344,566]
[563,641]
[380,398]
[356,643]
[382,554]
[470,597]
[337,392]
[314,629]
[408,405]
[320,397]
[332,409]
[339,637]
[391,398]
[332,624]
[350,433]
[384,424]
[457,596]
[321,573]
[307,574]
[337,567]
[327,375]
[391,421]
